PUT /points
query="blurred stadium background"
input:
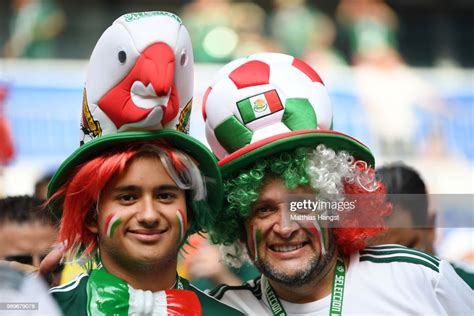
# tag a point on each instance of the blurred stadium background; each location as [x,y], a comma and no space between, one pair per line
[400,73]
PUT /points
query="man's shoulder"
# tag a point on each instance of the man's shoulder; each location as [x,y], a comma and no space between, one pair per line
[246,297]
[251,286]
[209,304]
[465,271]
[72,296]
[396,254]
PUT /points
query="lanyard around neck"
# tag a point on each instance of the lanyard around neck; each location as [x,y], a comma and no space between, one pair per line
[337,293]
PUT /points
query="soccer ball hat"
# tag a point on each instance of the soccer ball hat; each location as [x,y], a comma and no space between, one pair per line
[269,103]
[139,87]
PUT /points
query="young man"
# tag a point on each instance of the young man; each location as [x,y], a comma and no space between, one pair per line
[269,119]
[138,186]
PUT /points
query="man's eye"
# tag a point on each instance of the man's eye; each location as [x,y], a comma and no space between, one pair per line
[127,198]
[165,196]
[262,209]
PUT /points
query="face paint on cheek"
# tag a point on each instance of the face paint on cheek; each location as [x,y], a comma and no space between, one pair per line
[181,219]
[255,238]
[111,224]
[316,230]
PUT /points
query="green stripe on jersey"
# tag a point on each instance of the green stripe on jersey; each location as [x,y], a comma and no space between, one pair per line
[220,290]
[400,258]
[401,251]
[394,246]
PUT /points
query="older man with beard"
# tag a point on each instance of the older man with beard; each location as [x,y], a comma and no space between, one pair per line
[269,121]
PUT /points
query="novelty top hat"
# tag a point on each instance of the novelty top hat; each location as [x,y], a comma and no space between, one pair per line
[268,103]
[139,87]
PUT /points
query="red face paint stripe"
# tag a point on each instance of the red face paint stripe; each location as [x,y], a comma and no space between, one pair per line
[182,225]
[107,222]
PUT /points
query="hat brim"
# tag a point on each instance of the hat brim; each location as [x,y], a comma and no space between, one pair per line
[249,154]
[206,160]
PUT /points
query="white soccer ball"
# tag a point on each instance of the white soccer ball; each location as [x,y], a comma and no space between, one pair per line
[262,96]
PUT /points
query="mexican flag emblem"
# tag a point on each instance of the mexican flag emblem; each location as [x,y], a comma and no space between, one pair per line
[259,105]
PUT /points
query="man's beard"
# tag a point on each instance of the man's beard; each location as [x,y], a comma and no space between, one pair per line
[314,270]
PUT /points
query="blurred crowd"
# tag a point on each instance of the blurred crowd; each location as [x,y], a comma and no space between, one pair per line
[361,33]
[339,33]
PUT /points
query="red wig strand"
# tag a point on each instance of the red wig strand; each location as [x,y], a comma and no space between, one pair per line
[365,220]
[80,194]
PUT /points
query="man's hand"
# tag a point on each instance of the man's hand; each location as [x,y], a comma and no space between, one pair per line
[51,261]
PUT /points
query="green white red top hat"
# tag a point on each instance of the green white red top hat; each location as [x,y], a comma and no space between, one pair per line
[139,87]
[268,103]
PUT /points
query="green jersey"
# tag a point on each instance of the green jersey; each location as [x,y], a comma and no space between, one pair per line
[101,293]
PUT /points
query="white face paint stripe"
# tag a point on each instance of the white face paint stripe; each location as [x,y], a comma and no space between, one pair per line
[321,237]
[112,224]
[182,225]
[316,229]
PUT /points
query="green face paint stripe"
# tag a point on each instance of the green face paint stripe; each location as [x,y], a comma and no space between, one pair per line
[182,225]
[256,237]
[114,222]
[114,226]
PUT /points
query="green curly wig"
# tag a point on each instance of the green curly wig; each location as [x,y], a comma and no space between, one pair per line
[327,172]
[243,190]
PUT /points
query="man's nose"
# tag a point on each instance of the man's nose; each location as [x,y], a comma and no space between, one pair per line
[149,214]
[283,225]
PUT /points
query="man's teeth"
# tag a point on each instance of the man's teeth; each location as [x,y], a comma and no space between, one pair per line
[286,248]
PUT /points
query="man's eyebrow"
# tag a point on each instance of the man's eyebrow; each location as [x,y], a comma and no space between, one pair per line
[168,187]
[126,188]
[263,201]
[163,187]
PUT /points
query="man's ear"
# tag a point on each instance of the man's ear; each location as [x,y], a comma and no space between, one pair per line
[91,221]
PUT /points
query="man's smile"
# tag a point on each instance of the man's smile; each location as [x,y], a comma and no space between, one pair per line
[288,250]
[147,235]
